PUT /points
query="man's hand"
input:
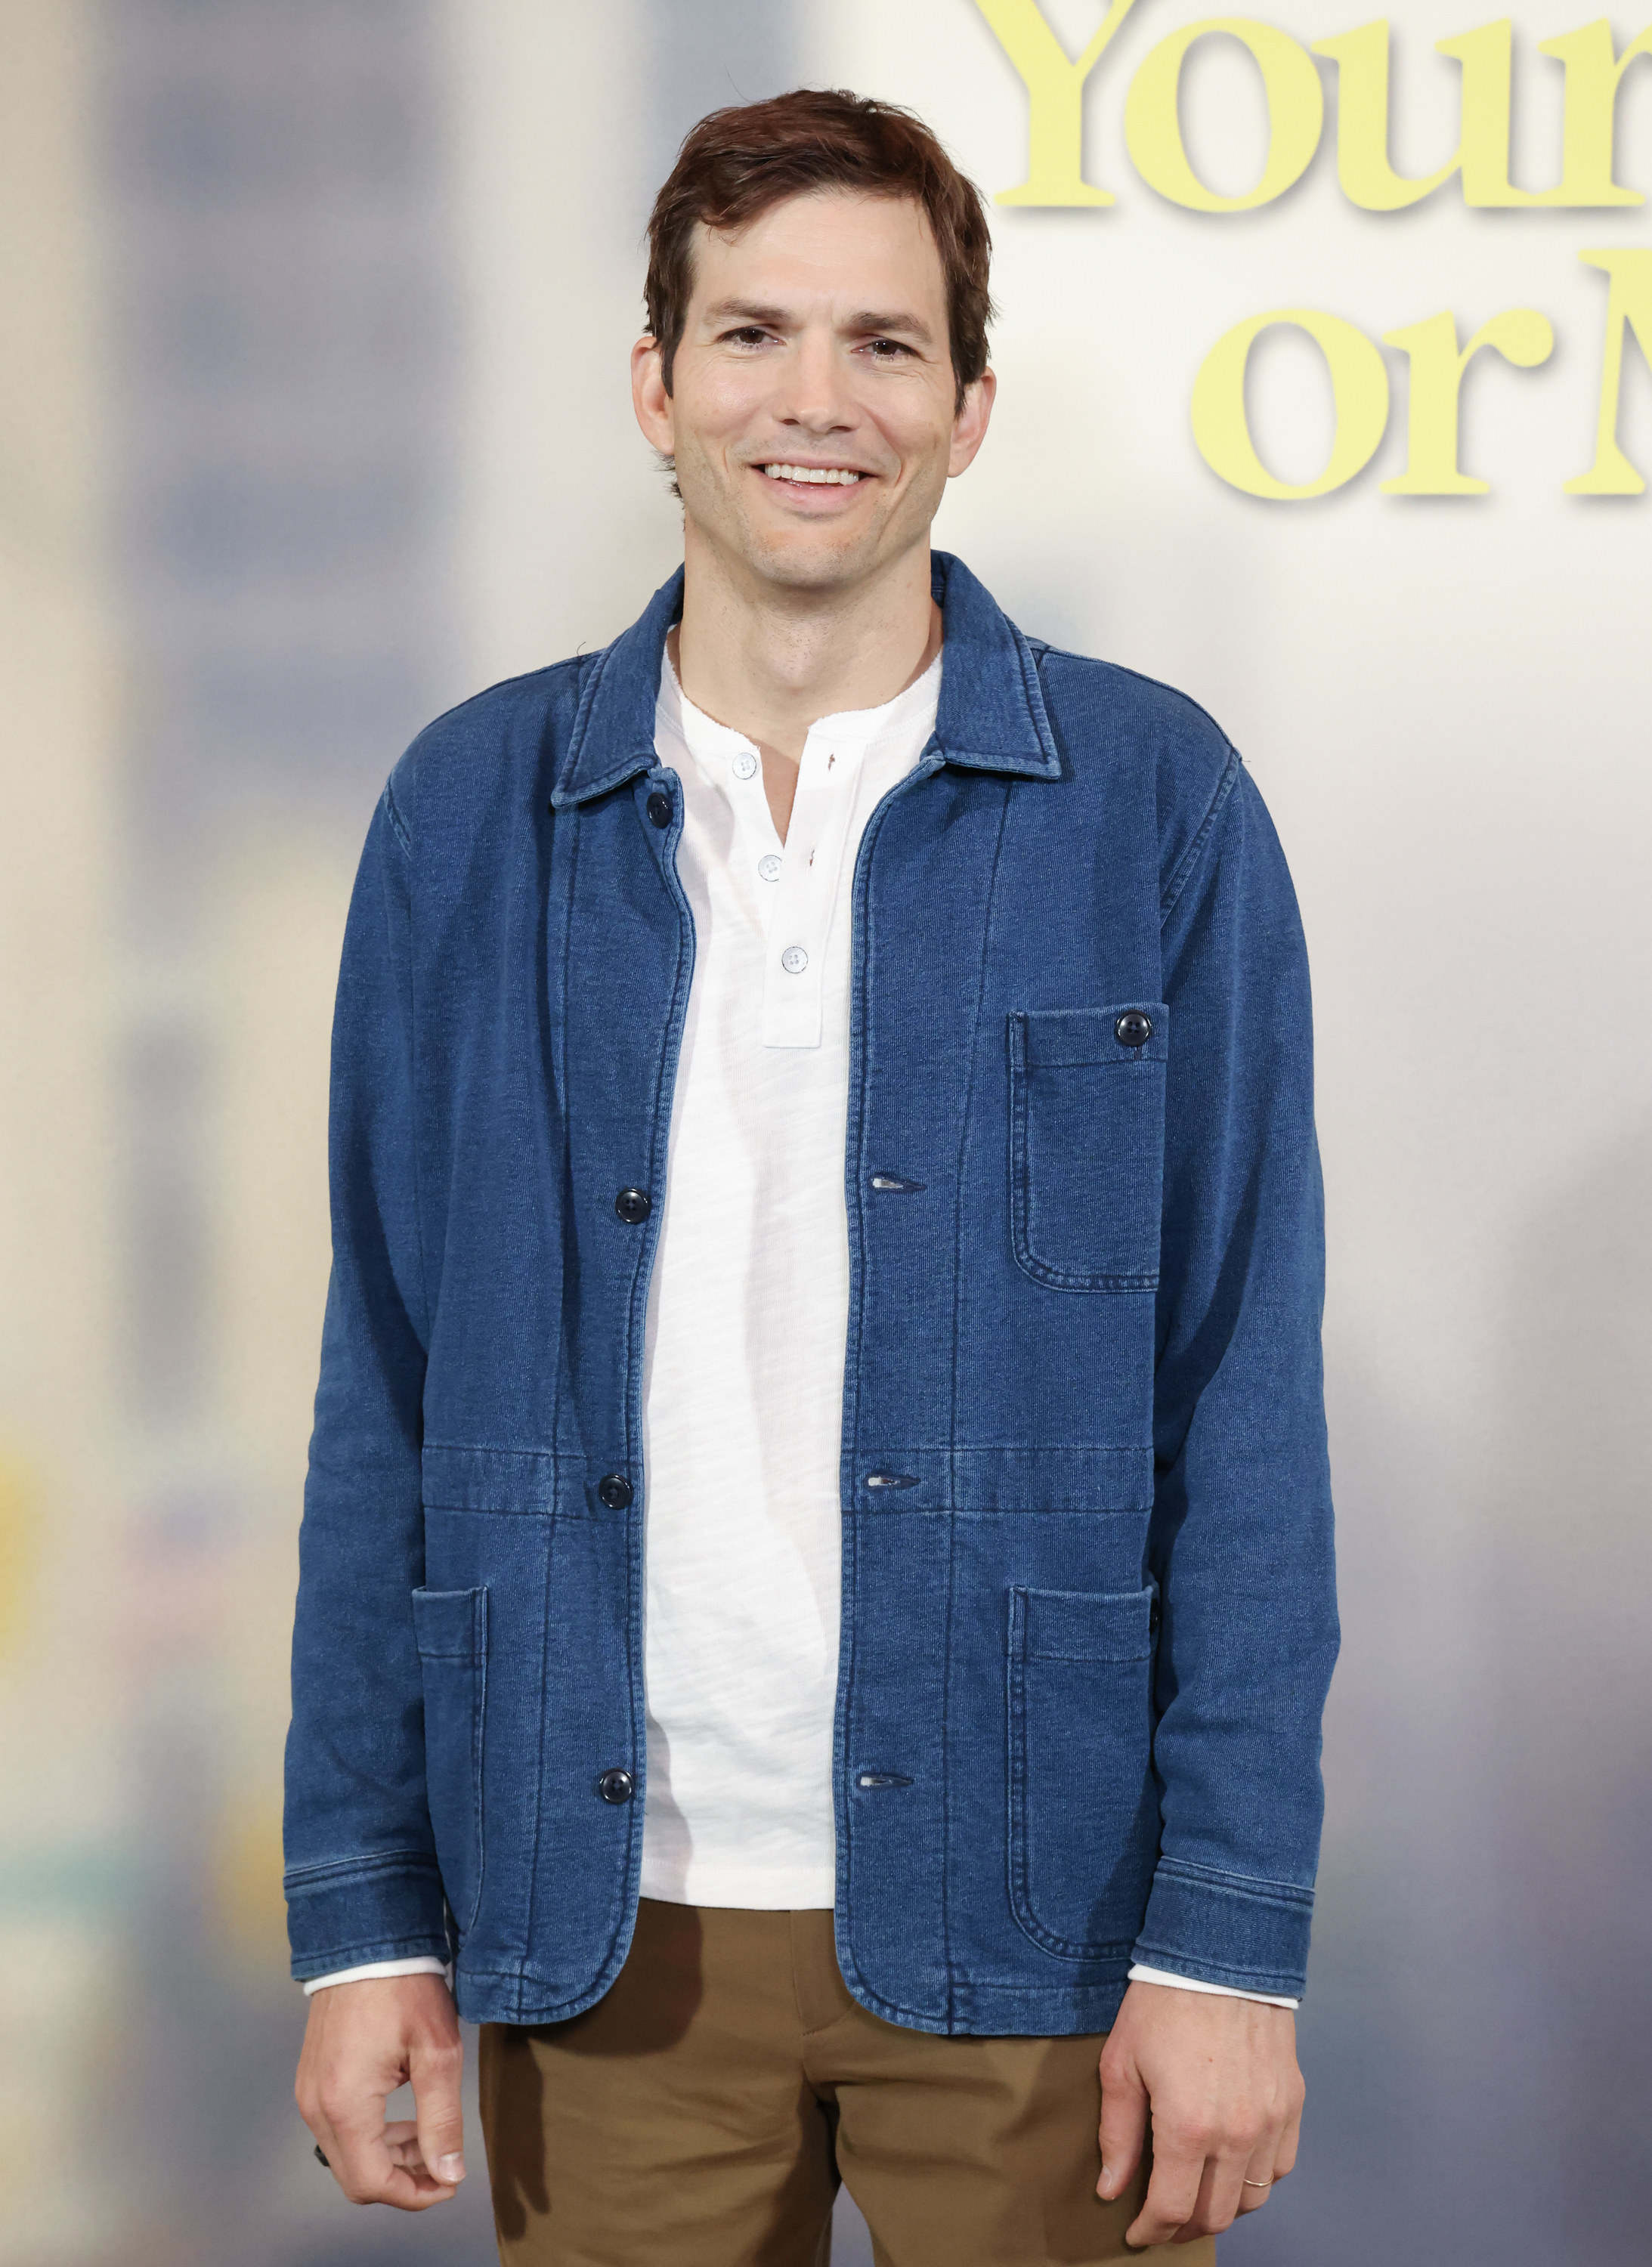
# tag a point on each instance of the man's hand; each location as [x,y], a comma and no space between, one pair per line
[1220,2079]
[364,2041]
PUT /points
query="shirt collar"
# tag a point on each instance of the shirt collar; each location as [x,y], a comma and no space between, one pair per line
[911,714]
[991,716]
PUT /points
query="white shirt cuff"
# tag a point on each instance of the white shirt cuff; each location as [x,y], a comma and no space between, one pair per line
[424,1965]
[1140,1975]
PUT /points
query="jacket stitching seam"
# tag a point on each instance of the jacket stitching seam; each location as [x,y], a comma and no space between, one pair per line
[363,1868]
[582,714]
[860,896]
[546,672]
[1259,1885]
[561,1058]
[951,1492]
[399,828]
[942,1447]
[1195,851]
[398,824]
[380,1947]
[488,1448]
[1285,1983]
[1139,677]
[860,893]
[1032,693]
[664,1090]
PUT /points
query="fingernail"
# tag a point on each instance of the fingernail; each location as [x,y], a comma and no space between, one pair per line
[1105,2183]
[451,2168]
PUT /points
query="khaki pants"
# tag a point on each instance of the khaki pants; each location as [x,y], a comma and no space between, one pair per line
[701,2114]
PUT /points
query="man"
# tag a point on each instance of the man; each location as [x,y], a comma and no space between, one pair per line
[821,1111]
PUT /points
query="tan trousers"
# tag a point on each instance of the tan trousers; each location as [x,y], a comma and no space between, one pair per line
[702,2113]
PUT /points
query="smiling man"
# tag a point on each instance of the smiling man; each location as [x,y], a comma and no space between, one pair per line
[816,1594]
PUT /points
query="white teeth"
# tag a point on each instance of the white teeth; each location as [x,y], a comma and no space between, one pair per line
[819,475]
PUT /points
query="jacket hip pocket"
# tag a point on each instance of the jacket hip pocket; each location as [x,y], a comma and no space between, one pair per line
[1087,1144]
[1083,1807]
[451,1627]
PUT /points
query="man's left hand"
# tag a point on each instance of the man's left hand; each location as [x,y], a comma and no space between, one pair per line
[1218,2077]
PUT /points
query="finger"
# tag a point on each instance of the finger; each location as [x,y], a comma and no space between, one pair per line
[366,2168]
[1285,2149]
[1258,2183]
[402,2139]
[1172,2195]
[1216,2205]
[1123,2133]
[435,2065]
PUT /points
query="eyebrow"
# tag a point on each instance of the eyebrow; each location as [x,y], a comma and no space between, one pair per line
[870,321]
[912,326]
[744,311]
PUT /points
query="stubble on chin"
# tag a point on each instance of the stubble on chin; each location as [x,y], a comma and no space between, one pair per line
[811,557]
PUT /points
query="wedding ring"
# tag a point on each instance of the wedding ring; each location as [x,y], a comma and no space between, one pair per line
[1249,2184]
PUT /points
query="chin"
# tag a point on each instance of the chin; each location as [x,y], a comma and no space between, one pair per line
[789,554]
[805,559]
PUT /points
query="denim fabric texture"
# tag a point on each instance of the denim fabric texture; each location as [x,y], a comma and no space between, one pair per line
[1089,1617]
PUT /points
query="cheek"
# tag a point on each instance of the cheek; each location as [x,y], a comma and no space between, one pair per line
[722,405]
[926,457]
[919,429]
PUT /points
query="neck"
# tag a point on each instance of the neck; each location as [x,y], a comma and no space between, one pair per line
[770,661]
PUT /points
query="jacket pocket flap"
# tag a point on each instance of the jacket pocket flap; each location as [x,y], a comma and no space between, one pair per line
[451,1625]
[1087,1624]
[1056,1038]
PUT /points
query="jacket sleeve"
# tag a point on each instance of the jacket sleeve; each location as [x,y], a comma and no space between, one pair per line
[1241,1537]
[362,1882]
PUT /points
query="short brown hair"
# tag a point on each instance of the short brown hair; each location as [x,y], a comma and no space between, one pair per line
[738,163]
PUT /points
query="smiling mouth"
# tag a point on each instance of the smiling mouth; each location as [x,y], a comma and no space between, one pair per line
[815,475]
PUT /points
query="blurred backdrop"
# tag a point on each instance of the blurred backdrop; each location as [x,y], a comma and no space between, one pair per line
[313,419]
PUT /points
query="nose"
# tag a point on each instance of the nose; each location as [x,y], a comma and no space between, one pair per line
[816,395]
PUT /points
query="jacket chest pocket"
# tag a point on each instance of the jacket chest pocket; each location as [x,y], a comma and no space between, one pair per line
[451,1630]
[1087,1144]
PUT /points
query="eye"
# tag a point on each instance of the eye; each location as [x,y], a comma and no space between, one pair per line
[888,350]
[750,334]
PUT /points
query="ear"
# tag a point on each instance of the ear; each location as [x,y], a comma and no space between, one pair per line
[969,427]
[649,398]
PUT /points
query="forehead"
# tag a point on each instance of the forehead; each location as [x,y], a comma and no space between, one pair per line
[833,245]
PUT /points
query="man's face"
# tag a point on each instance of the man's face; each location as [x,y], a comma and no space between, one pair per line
[816,344]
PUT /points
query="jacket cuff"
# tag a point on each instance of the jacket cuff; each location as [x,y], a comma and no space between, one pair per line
[421,1964]
[354,1910]
[1227,1928]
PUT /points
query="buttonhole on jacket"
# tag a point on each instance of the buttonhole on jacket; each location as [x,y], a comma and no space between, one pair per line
[891,1479]
[896,1185]
[881,1779]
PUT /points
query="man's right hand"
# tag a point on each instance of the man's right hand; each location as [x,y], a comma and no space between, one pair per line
[364,2040]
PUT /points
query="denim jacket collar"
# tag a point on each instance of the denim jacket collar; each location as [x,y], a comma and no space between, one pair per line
[992,715]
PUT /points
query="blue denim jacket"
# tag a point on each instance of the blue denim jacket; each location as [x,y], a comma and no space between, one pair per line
[1087,1604]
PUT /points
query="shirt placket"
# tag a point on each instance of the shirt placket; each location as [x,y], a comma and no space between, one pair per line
[806,892]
